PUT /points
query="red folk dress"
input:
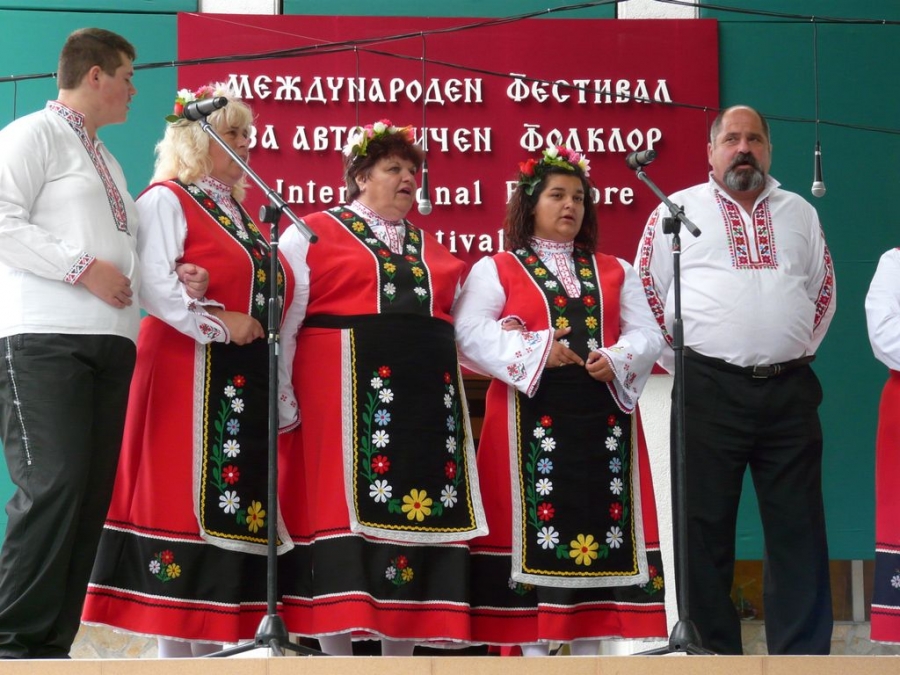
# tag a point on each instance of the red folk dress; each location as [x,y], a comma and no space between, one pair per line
[573,547]
[382,465]
[183,549]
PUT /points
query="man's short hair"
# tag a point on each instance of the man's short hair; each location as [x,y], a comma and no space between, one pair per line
[716,126]
[89,47]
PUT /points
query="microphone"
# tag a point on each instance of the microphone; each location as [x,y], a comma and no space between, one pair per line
[197,110]
[424,204]
[636,160]
[818,186]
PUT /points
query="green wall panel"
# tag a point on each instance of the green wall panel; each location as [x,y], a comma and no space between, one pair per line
[754,10]
[31,45]
[770,66]
[449,8]
[117,6]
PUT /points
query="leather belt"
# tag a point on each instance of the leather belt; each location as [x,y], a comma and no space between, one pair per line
[759,372]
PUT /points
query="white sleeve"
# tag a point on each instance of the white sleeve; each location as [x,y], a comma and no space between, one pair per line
[293,246]
[883,310]
[639,345]
[821,284]
[160,246]
[655,269]
[24,245]
[515,357]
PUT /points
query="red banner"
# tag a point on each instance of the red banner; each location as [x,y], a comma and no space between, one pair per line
[487,94]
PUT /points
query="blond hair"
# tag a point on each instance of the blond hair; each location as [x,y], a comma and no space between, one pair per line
[183,152]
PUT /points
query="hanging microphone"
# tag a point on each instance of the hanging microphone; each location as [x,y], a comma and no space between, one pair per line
[636,160]
[818,186]
[197,110]
[424,204]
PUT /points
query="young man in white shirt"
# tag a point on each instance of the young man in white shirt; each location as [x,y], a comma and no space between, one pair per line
[68,326]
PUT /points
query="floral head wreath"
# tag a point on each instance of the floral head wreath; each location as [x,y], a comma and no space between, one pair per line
[185,96]
[532,172]
[359,137]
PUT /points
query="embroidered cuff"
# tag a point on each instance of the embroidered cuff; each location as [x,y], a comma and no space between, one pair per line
[80,267]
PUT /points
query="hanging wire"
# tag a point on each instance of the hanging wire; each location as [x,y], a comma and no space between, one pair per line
[337,47]
[816,72]
[356,55]
[424,102]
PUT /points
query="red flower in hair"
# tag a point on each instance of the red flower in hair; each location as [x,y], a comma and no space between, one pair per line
[527,167]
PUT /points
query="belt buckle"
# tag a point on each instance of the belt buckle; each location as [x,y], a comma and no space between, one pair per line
[765,372]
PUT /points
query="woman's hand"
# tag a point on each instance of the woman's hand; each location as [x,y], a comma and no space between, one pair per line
[600,367]
[560,355]
[194,278]
[243,328]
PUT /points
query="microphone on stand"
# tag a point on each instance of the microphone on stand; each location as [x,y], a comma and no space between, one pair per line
[197,110]
[818,186]
[424,204]
[636,160]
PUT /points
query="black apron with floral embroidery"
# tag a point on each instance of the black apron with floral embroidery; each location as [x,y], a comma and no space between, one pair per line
[408,451]
[230,476]
[574,472]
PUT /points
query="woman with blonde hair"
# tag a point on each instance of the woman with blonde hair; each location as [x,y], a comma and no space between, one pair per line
[183,550]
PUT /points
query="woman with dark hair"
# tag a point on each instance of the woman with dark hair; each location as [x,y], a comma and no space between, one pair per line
[383,462]
[566,333]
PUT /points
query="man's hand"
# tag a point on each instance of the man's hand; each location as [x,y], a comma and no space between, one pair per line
[104,280]
[194,278]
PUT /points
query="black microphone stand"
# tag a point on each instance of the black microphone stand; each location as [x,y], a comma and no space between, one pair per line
[272,633]
[684,636]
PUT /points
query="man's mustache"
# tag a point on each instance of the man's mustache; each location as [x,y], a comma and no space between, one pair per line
[744,158]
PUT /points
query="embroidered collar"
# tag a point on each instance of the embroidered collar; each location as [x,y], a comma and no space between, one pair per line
[221,195]
[215,189]
[73,117]
[372,217]
[546,247]
[771,184]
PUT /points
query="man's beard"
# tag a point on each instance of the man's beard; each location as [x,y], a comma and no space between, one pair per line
[744,180]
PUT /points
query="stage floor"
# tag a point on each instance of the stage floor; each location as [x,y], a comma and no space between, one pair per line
[675,664]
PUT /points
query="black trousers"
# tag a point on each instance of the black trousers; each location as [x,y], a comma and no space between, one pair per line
[732,422]
[62,412]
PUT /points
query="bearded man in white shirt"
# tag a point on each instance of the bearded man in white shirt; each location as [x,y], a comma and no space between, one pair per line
[68,324]
[758,295]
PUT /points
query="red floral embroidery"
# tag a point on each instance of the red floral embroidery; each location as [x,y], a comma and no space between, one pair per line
[615,511]
[380,464]
[231,474]
[545,511]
